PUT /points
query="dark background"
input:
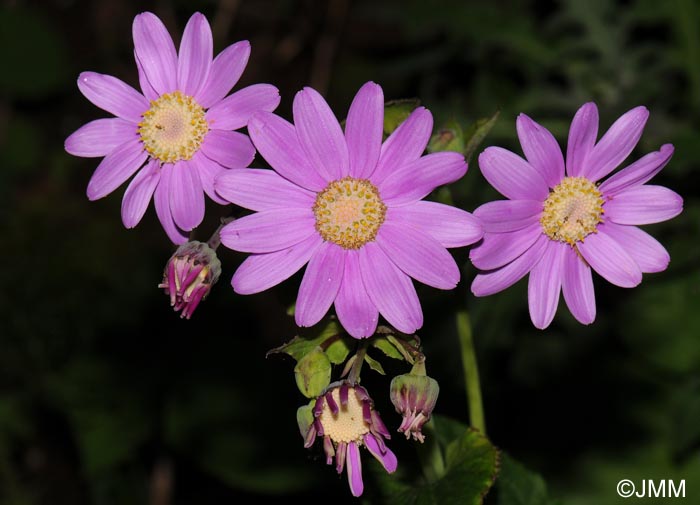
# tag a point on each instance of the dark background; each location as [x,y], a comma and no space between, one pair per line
[107,397]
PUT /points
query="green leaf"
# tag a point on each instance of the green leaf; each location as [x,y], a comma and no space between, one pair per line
[476,133]
[519,486]
[472,467]
[387,347]
[330,336]
[448,138]
[374,364]
[313,373]
[396,112]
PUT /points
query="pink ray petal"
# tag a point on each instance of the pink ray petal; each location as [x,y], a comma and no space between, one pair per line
[259,272]
[511,175]
[363,130]
[616,144]
[577,287]
[544,285]
[450,226]
[113,95]
[116,168]
[139,193]
[390,289]
[268,231]
[320,284]
[156,52]
[224,73]
[320,135]
[541,150]
[419,255]
[405,145]
[100,137]
[195,56]
[582,137]
[354,308]
[259,189]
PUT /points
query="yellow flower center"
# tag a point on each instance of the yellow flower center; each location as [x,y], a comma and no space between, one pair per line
[173,128]
[572,210]
[347,425]
[349,212]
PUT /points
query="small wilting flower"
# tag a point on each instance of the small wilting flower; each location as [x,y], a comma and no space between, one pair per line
[414,395]
[189,276]
[176,135]
[351,207]
[559,222]
[345,418]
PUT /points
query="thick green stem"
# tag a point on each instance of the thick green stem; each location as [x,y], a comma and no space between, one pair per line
[471,372]
[431,458]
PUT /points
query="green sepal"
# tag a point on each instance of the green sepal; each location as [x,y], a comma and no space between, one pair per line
[313,373]
[476,133]
[305,418]
[385,345]
[331,338]
[374,364]
[448,138]
[396,112]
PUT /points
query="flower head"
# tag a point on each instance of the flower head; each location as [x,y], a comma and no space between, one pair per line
[176,135]
[559,221]
[346,420]
[414,395]
[189,276]
[351,207]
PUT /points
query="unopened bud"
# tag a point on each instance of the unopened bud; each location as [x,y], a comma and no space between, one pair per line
[189,276]
[414,396]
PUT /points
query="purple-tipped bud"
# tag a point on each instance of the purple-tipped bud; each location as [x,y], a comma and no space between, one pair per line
[414,396]
[189,276]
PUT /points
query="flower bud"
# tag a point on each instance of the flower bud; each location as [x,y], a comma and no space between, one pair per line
[189,276]
[414,396]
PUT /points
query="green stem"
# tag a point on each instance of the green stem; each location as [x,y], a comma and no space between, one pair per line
[471,372]
[215,239]
[354,375]
[430,455]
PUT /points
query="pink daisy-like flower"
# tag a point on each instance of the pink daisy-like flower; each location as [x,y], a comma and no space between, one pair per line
[351,207]
[176,136]
[559,222]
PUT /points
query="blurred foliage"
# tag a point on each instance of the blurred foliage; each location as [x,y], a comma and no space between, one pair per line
[108,398]
[471,464]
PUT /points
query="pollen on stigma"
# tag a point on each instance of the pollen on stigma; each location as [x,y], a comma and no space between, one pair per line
[348,425]
[349,212]
[173,127]
[572,210]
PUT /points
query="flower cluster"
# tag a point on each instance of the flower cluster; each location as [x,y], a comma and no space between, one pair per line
[348,204]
